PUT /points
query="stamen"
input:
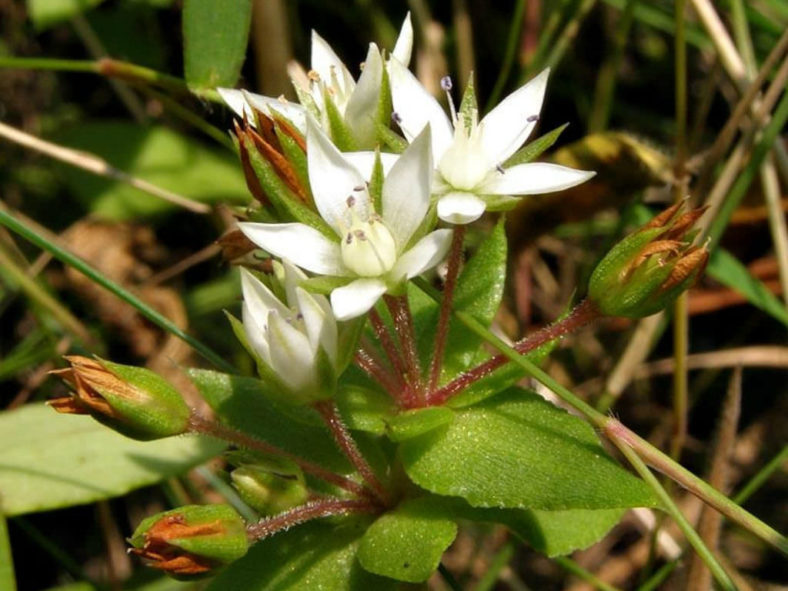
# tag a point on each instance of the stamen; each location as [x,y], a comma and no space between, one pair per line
[532,118]
[396,118]
[360,235]
[313,76]
[447,85]
[499,168]
[351,201]
[349,238]
[359,188]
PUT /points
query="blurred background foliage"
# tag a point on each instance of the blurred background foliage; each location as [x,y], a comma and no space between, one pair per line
[613,81]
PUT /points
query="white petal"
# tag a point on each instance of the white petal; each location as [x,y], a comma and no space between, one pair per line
[333,179]
[356,298]
[507,126]
[406,189]
[534,178]
[416,108]
[256,333]
[324,61]
[235,100]
[302,244]
[365,162]
[291,276]
[259,298]
[362,106]
[460,208]
[404,45]
[291,356]
[292,111]
[321,327]
[426,253]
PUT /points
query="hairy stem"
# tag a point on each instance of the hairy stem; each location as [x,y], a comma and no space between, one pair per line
[347,444]
[442,332]
[408,396]
[403,325]
[366,359]
[582,314]
[313,510]
[204,426]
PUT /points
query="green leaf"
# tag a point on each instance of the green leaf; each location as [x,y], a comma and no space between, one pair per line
[516,450]
[7,578]
[51,460]
[45,13]
[316,555]
[407,543]
[241,404]
[412,423]
[215,36]
[155,154]
[553,533]
[532,150]
[364,409]
[727,269]
[478,292]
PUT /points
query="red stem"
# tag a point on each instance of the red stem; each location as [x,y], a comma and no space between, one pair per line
[455,259]
[346,443]
[583,313]
[392,353]
[372,366]
[312,510]
[403,325]
[199,424]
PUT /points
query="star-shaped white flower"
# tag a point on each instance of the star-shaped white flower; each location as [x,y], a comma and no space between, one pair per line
[376,252]
[290,337]
[470,154]
[330,80]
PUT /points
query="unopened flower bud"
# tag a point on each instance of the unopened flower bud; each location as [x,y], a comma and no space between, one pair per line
[647,270]
[270,486]
[131,400]
[191,541]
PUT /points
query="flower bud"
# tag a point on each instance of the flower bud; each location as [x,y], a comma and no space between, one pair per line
[647,270]
[131,400]
[191,541]
[270,486]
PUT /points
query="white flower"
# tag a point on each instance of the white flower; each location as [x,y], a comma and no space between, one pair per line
[290,338]
[373,250]
[330,80]
[470,154]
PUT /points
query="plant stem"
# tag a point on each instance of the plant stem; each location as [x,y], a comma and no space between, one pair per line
[314,510]
[204,426]
[762,476]
[617,432]
[692,536]
[77,263]
[581,315]
[570,565]
[347,444]
[442,332]
[366,360]
[403,325]
[408,396]
[111,68]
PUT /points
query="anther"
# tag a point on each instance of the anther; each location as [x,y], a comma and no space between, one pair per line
[359,188]
[499,168]
[395,117]
[532,118]
[446,83]
[351,201]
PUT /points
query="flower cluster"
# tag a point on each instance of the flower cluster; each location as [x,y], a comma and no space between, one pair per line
[379,195]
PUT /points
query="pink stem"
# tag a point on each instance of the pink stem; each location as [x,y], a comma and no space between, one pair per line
[583,313]
[312,510]
[199,424]
[408,396]
[372,366]
[345,442]
[455,259]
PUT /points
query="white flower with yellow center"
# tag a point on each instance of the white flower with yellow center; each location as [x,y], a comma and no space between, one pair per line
[330,80]
[471,154]
[296,339]
[376,252]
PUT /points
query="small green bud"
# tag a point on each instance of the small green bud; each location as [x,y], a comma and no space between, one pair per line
[648,269]
[270,486]
[191,541]
[131,400]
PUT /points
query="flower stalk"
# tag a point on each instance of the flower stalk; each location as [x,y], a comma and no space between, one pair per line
[403,325]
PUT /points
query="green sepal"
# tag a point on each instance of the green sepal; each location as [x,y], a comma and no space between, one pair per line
[341,134]
[412,423]
[296,156]
[269,485]
[307,101]
[220,547]
[286,203]
[390,139]
[532,150]
[324,284]
[157,411]
[385,105]
[469,109]
[376,183]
